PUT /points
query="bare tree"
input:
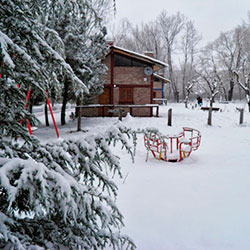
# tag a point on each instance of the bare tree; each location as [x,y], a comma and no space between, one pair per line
[209,76]
[245,86]
[105,9]
[242,73]
[119,33]
[147,38]
[140,38]
[228,48]
[188,91]
[171,26]
[189,42]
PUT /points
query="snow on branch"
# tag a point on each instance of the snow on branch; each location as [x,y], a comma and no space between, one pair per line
[190,86]
[245,88]
[66,183]
[4,222]
[5,41]
[214,94]
[56,56]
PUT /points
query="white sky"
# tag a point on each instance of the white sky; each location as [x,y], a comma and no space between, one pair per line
[210,16]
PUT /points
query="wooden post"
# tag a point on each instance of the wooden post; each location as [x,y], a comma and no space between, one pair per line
[46,114]
[209,119]
[170,117]
[79,111]
[157,111]
[103,111]
[241,115]
[120,114]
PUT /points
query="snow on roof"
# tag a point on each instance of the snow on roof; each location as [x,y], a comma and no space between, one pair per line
[140,56]
[161,77]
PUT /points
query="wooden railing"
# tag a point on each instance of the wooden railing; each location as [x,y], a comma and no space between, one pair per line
[118,108]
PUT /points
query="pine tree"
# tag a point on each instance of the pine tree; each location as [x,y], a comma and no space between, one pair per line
[82,33]
[34,46]
[54,194]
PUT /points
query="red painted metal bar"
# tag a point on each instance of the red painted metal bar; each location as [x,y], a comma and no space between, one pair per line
[29,127]
[180,159]
[27,98]
[52,115]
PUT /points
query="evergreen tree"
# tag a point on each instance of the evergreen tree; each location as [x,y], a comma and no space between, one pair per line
[82,33]
[56,194]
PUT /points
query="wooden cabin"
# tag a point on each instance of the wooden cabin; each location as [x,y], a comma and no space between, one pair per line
[129,81]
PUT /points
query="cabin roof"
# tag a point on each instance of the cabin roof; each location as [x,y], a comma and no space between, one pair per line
[156,64]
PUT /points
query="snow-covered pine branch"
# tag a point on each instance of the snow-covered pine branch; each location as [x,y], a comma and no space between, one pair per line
[65,66]
[64,189]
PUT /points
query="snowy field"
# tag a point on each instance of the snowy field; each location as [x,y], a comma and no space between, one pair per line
[200,203]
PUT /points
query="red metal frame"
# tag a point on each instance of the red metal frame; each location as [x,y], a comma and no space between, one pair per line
[52,115]
[50,109]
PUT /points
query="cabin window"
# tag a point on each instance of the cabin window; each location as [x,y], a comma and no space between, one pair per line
[126,95]
[156,79]
[124,61]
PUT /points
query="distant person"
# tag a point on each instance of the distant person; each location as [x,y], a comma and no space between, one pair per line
[199,100]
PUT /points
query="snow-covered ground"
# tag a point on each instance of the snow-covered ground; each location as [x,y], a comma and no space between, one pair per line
[200,203]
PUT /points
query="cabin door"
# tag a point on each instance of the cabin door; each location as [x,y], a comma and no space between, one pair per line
[104,98]
[126,95]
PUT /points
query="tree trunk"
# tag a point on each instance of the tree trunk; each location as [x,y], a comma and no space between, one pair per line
[46,114]
[177,95]
[240,92]
[31,104]
[186,102]
[231,89]
[64,102]
[184,78]
[224,93]
[78,102]
[171,76]
[248,99]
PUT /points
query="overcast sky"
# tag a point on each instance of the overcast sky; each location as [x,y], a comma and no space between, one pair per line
[210,16]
